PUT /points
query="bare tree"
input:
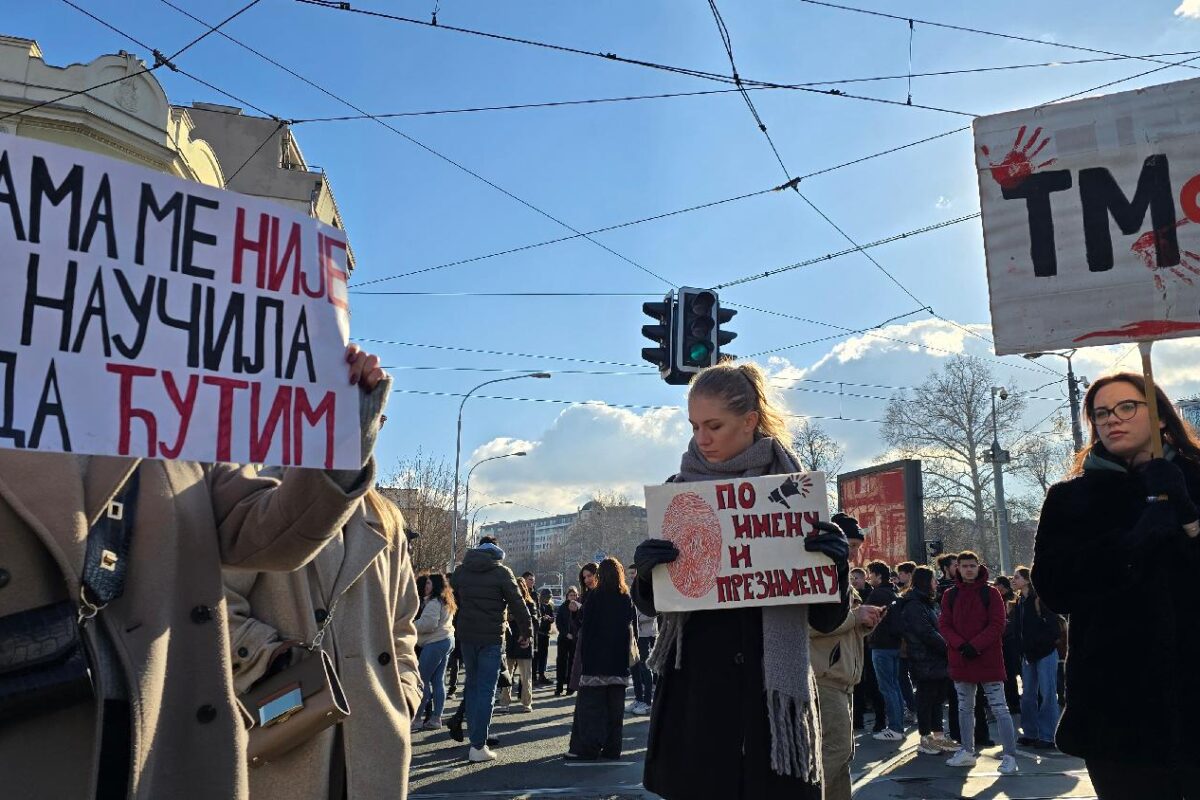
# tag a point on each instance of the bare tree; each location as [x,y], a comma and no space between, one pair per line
[423,487]
[608,523]
[947,423]
[1044,459]
[816,449]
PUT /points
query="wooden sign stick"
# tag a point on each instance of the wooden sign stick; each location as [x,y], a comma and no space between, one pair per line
[1156,447]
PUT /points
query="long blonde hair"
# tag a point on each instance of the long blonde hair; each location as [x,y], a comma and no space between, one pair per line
[389,515]
[743,388]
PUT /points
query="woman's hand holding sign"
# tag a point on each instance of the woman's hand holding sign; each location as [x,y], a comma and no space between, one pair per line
[364,368]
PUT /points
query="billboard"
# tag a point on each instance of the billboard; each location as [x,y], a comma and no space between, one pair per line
[887,502]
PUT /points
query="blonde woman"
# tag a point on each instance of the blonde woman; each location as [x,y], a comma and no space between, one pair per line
[361,585]
[761,738]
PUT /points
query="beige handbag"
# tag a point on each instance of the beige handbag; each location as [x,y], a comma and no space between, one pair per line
[294,705]
[635,654]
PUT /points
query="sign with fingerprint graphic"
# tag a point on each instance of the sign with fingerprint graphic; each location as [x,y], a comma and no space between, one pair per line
[741,542]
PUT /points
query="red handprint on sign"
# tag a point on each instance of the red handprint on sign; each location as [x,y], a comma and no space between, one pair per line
[1018,164]
[1146,248]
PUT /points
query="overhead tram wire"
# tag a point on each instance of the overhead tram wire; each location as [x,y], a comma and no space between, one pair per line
[606,404]
[980,31]
[795,183]
[707,92]
[416,142]
[159,61]
[694,73]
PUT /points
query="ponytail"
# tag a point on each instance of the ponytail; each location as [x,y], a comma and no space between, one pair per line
[743,388]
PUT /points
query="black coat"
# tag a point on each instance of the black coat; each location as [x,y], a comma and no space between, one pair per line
[1134,635]
[512,646]
[887,635]
[1036,633]
[607,625]
[927,660]
[544,619]
[562,621]
[709,733]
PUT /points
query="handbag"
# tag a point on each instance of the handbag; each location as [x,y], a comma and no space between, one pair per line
[295,704]
[635,655]
[292,706]
[44,662]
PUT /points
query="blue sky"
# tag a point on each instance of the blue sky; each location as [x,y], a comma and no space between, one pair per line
[604,164]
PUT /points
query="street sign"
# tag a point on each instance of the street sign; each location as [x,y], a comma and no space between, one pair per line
[1090,212]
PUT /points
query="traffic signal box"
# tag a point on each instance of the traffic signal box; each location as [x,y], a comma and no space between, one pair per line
[687,332]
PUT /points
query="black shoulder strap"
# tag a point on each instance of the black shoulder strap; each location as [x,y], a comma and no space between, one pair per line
[953,592]
[106,565]
[986,596]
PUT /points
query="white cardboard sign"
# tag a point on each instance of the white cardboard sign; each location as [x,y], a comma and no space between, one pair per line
[1091,219]
[741,542]
[150,316]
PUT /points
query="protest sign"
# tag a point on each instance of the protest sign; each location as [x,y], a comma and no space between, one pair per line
[741,542]
[144,315]
[1091,219]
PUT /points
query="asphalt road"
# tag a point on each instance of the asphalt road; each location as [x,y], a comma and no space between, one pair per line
[531,766]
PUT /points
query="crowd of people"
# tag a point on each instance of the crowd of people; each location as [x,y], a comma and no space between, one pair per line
[185,615]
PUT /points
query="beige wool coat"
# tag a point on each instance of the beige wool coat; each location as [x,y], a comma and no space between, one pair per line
[372,641]
[167,630]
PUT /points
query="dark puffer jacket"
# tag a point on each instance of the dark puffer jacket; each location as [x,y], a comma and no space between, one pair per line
[927,658]
[1134,635]
[484,588]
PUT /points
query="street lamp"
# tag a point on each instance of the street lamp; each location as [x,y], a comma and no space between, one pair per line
[1072,393]
[467,491]
[475,516]
[458,450]
[998,458]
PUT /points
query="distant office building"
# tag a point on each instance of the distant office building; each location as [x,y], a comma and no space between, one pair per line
[1190,410]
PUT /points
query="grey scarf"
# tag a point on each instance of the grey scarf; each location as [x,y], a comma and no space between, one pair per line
[787,675]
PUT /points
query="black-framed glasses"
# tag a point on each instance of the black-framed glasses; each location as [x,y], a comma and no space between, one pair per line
[1124,410]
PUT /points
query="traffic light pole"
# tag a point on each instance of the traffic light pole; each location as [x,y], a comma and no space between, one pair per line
[1073,396]
[998,459]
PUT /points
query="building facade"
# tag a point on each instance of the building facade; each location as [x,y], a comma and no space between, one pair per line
[129,120]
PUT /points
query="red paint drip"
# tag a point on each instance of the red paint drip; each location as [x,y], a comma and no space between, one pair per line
[1146,329]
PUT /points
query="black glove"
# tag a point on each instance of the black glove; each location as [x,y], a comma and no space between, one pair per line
[968,650]
[829,540]
[652,552]
[848,524]
[1162,477]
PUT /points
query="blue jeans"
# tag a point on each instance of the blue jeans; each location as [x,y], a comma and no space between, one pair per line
[643,678]
[482,663]
[887,674]
[432,664]
[1039,697]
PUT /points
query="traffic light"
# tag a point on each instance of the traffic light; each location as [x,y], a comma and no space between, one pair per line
[663,334]
[660,333]
[700,338]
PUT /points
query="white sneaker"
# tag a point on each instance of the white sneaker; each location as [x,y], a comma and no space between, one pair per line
[1008,766]
[476,754]
[888,735]
[633,707]
[962,758]
[929,746]
[642,709]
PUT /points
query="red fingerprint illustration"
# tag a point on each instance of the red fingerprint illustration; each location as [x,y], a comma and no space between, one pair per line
[693,526]
[1018,164]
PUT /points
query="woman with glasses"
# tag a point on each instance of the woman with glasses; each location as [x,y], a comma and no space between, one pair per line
[1112,538]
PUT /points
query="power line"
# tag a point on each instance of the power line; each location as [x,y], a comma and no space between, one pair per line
[707,92]
[213,30]
[605,404]
[257,150]
[159,61]
[423,146]
[980,31]
[695,73]
[839,253]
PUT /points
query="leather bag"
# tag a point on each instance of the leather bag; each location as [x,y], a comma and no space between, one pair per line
[43,663]
[292,706]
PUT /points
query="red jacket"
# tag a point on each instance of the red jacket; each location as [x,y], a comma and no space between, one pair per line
[968,621]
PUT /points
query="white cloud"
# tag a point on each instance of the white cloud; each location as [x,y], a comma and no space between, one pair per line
[943,202]
[586,449]
[1189,8]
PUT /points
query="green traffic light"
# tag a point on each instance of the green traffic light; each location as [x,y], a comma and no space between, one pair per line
[698,352]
